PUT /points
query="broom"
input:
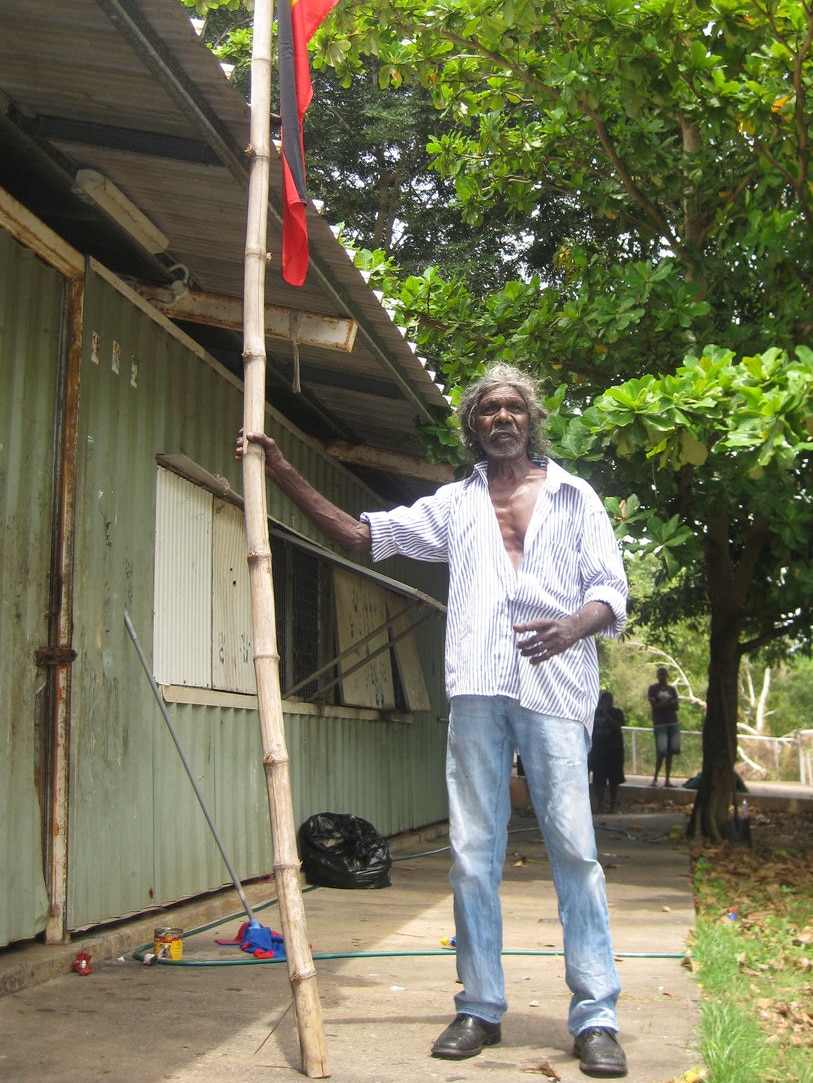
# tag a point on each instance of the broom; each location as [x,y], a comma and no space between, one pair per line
[254,933]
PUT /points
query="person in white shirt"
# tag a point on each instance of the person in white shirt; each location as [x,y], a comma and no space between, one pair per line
[535,573]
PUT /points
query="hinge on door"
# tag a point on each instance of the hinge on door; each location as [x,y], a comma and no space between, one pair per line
[55,656]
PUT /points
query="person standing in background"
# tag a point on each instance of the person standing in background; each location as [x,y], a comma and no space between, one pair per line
[663,699]
[606,759]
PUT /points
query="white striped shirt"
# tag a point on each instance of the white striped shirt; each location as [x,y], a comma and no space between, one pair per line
[570,558]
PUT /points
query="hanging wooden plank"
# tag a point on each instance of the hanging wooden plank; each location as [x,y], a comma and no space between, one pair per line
[407,659]
[361,608]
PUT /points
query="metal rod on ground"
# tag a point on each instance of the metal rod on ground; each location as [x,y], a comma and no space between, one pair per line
[301,971]
[157,693]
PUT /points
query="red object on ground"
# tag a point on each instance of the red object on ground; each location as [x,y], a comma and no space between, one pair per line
[82,964]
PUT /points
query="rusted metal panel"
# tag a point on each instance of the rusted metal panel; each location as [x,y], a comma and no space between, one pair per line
[391,774]
[30,317]
[60,640]
[138,837]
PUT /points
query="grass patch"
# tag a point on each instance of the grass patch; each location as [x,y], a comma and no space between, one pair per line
[753,954]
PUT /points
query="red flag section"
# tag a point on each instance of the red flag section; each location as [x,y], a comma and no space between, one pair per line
[297,22]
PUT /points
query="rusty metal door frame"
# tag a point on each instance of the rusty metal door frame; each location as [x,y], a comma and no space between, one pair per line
[57,655]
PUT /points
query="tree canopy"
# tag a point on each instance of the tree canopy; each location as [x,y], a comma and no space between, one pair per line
[728,508]
[683,129]
[370,165]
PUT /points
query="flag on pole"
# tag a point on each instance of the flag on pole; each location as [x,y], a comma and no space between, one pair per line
[297,22]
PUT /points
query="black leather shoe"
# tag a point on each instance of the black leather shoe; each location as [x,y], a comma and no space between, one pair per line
[599,1053]
[465,1037]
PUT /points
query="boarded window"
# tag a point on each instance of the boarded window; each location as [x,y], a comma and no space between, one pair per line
[232,655]
[379,664]
[362,634]
[202,625]
[303,603]
[341,638]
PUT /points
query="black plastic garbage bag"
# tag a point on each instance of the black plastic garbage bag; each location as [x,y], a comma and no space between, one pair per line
[341,850]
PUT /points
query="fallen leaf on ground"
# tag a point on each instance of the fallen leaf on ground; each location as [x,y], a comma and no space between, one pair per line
[693,1075]
[543,1068]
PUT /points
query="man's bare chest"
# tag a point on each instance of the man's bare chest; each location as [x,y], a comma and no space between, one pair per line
[514,507]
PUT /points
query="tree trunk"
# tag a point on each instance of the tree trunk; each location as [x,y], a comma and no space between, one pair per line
[728,587]
[713,800]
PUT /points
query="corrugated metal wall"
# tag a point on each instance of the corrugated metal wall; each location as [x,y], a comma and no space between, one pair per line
[137,835]
[30,314]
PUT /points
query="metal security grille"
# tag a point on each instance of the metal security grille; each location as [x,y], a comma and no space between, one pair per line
[302,601]
[306,628]
[346,634]
[279,551]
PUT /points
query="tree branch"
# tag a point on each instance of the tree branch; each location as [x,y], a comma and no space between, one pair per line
[650,210]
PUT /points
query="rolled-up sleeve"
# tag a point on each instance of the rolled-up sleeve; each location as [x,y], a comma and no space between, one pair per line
[602,566]
[420,531]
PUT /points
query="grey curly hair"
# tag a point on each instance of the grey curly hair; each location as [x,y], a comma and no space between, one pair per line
[501,374]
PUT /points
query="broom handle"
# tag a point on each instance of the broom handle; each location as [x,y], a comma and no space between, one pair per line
[185,761]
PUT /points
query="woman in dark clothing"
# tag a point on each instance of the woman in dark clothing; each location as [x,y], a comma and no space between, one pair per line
[607,753]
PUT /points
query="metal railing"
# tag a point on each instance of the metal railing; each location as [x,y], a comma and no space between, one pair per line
[776,759]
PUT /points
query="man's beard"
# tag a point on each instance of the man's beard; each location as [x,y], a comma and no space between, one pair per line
[500,447]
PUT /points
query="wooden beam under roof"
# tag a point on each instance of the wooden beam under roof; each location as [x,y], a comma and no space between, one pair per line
[29,230]
[306,328]
[394,462]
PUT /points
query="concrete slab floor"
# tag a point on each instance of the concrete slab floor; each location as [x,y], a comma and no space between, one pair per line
[223,1017]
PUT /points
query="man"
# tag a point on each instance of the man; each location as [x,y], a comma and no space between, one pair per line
[534,574]
[663,699]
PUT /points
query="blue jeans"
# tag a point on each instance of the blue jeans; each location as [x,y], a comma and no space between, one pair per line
[483,734]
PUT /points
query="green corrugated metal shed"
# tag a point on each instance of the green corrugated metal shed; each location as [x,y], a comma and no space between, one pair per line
[100,390]
[137,837]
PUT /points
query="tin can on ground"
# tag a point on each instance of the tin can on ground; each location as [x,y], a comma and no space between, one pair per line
[168,943]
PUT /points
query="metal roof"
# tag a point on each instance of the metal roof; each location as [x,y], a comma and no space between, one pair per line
[125,88]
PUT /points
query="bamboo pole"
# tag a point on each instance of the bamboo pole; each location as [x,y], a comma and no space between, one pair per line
[301,971]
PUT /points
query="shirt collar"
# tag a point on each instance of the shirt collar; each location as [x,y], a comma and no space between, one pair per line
[557,475]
